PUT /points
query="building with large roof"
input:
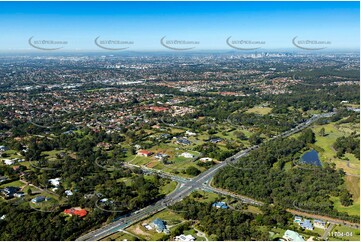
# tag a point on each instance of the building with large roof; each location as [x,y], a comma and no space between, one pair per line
[159,225]
[292,236]
[306,224]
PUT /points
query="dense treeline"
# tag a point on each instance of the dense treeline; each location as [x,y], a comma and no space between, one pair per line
[273,175]
[311,97]
[23,223]
[350,144]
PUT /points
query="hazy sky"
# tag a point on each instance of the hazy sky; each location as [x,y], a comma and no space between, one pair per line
[209,23]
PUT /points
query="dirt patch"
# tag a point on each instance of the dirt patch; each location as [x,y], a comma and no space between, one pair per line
[138,231]
[152,164]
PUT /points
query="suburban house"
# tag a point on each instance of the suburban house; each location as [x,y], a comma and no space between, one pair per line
[306,224]
[319,224]
[222,205]
[55,181]
[3,148]
[104,200]
[187,155]
[160,226]
[189,133]
[38,199]
[9,192]
[183,237]
[161,156]
[8,162]
[145,153]
[165,136]
[205,159]
[215,140]
[183,141]
[292,236]
[68,193]
[76,211]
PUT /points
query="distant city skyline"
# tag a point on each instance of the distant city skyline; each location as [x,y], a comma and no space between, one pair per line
[163,26]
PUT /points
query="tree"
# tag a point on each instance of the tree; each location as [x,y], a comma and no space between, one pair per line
[322,132]
[193,171]
[307,137]
[346,198]
[30,192]
[133,151]
[255,139]
[240,135]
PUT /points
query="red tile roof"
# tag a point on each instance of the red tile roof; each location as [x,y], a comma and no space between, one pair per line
[79,212]
[144,152]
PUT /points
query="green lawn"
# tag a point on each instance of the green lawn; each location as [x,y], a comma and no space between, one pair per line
[11,154]
[168,188]
[259,110]
[33,190]
[254,209]
[327,152]
[205,196]
[12,184]
[277,232]
[351,210]
[352,184]
[127,180]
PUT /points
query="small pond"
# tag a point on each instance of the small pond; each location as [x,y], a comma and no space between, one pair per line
[311,158]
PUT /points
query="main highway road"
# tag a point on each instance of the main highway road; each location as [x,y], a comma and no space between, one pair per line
[185,188]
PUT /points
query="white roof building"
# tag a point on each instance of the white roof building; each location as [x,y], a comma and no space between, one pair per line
[186,155]
[68,193]
[55,181]
[183,237]
[204,159]
[9,162]
[189,133]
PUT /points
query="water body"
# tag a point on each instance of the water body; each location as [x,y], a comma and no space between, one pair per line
[311,158]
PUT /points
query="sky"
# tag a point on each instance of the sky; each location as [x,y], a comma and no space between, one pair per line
[206,24]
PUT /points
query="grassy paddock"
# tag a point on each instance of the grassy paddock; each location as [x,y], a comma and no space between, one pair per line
[259,110]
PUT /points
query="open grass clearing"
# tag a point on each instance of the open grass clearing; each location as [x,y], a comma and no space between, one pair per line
[260,110]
